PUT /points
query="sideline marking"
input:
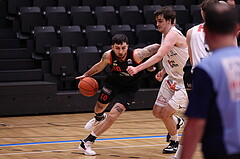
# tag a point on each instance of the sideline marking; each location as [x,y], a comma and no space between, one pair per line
[68,141]
[21,153]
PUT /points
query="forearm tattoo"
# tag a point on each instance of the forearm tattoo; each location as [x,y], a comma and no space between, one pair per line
[148,51]
[118,108]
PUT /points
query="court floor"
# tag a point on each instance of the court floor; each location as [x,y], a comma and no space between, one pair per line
[136,134]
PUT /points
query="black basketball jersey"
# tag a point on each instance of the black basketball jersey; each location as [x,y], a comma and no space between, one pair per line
[118,70]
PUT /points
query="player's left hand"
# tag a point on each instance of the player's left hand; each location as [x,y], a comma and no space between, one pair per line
[80,77]
[132,70]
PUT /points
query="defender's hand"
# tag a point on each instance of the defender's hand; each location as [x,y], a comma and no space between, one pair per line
[159,76]
[132,70]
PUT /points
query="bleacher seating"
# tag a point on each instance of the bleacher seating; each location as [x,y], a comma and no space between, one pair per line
[87,57]
[147,33]
[82,16]
[148,12]
[43,4]
[29,18]
[124,29]
[62,62]
[69,3]
[97,35]
[130,15]
[72,37]
[45,37]
[14,6]
[195,12]
[106,15]
[46,41]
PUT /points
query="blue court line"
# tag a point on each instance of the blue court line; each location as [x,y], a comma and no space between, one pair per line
[68,141]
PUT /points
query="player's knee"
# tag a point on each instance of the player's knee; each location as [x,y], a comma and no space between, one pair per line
[112,117]
[156,114]
[164,116]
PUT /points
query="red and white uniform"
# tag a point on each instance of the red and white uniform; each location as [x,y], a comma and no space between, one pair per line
[172,90]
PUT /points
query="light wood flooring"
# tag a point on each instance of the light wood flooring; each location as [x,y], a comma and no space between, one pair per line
[135,135]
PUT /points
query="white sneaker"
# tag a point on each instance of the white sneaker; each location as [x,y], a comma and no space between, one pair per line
[86,148]
[93,123]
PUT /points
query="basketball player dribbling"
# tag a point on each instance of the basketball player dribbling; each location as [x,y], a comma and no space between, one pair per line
[119,85]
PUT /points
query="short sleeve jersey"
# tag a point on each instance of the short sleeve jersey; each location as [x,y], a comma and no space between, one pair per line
[216,98]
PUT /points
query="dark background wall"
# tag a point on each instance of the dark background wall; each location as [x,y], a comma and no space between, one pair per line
[44,45]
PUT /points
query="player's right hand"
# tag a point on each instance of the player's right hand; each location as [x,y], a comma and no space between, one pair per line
[80,77]
[159,76]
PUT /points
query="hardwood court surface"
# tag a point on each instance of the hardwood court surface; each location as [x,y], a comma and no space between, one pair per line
[135,135]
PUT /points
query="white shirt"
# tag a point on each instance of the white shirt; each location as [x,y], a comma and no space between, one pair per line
[175,59]
[198,46]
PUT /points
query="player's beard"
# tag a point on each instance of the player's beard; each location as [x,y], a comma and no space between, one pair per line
[121,56]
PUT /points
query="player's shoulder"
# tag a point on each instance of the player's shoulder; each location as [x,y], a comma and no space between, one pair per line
[173,34]
[107,55]
[189,32]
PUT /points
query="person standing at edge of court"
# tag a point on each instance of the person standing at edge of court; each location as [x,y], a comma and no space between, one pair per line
[198,50]
[172,94]
[119,85]
[214,109]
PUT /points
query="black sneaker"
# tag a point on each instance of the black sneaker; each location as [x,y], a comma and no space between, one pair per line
[168,137]
[172,147]
[180,122]
[178,125]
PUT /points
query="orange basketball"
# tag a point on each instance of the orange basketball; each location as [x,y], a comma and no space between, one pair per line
[88,86]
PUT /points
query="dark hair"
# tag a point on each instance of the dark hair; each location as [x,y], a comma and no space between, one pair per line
[221,22]
[208,4]
[119,39]
[167,12]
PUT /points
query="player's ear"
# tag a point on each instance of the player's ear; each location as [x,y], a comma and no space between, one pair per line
[237,30]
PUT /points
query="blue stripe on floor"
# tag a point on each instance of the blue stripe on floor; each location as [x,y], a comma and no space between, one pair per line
[68,141]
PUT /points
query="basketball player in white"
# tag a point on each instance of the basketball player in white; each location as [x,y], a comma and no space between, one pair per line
[172,93]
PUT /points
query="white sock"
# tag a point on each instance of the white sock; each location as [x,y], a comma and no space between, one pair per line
[178,153]
[93,134]
[174,137]
[175,119]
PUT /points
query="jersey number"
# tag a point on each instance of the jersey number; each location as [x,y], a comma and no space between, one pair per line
[117,68]
[104,97]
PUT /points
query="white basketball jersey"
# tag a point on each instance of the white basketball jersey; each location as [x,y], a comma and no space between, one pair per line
[198,46]
[175,59]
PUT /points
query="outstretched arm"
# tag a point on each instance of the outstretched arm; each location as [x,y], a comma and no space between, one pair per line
[169,41]
[140,54]
[98,67]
